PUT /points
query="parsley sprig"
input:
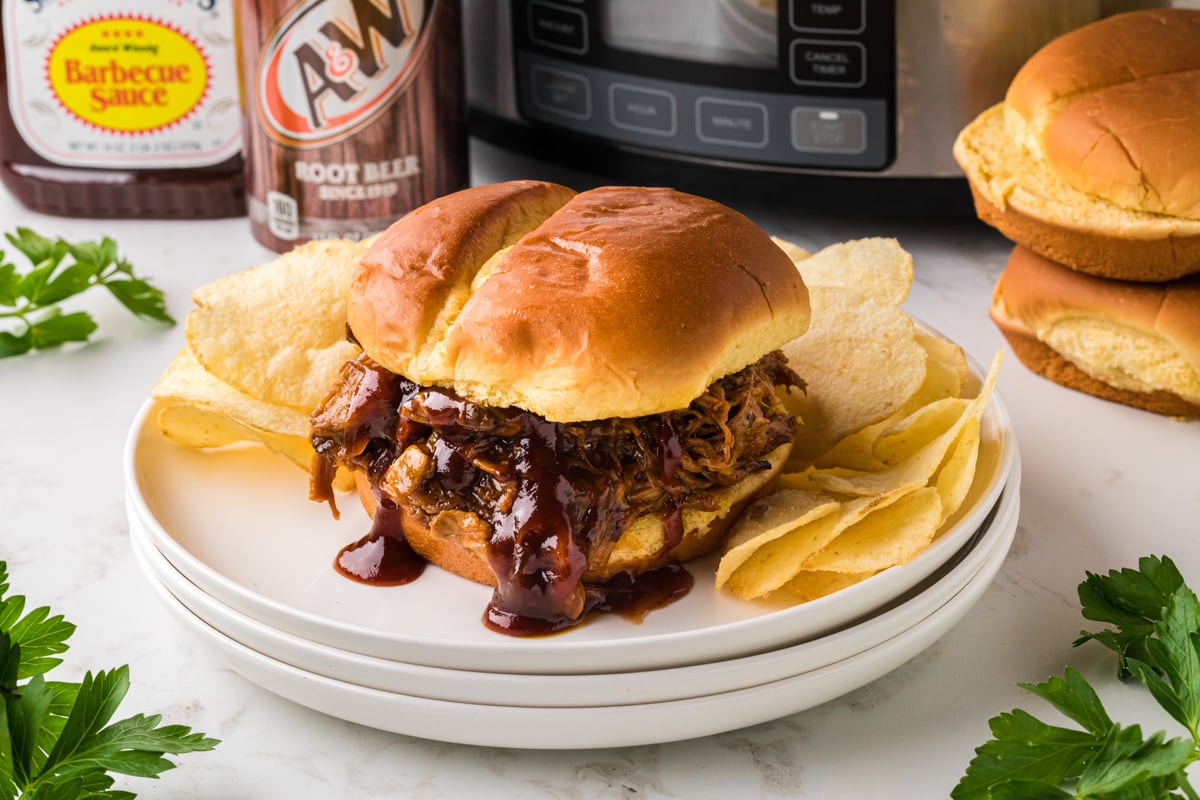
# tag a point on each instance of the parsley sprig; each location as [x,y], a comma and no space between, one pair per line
[30,315]
[56,741]
[1156,635]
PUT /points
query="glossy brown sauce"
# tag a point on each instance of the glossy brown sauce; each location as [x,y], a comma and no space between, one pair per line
[630,596]
[383,557]
[554,497]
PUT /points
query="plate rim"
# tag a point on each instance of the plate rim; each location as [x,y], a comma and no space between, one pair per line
[559,728]
[862,635]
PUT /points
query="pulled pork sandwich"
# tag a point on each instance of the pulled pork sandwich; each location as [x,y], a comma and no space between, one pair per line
[559,394]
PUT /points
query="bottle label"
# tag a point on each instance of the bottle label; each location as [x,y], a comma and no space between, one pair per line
[333,65]
[137,84]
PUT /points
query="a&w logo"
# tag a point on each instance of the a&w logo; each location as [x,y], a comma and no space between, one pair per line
[330,65]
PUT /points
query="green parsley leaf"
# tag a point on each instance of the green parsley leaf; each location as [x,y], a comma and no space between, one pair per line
[36,248]
[1074,696]
[1128,759]
[9,283]
[61,270]
[14,345]
[40,636]
[56,328]
[57,739]
[140,297]
[1025,749]
[1132,600]
[1156,634]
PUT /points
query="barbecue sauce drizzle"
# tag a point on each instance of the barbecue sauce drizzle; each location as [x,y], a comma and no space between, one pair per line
[546,527]
[539,546]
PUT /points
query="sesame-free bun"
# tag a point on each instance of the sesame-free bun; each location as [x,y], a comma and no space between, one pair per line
[1129,342]
[1093,159]
[457,541]
[616,302]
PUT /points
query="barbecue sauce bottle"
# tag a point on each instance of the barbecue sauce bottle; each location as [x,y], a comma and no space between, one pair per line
[354,113]
[121,108]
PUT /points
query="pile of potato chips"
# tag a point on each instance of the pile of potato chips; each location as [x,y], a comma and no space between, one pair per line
[888,445]
[263,347]
[885,454]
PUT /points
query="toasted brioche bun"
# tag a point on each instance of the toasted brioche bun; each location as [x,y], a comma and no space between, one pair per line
[617,302]
[1132,343]
[1091,160]
[457,541]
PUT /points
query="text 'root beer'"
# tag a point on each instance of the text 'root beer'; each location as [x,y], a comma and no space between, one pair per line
[354,114]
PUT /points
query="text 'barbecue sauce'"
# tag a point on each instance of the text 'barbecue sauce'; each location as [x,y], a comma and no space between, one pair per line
[121,109]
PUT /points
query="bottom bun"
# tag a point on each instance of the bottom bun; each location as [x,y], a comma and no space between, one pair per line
[457,541]
[1131,343]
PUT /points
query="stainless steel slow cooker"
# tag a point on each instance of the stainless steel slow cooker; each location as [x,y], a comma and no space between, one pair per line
[809,101]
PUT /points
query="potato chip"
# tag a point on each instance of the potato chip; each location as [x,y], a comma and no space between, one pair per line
[888,535]
[193,426]
[775,562]
[945,374]
[860,360]
[197,410]
[278,332]
[858,450]
[877,268]
[811,585]
[794,251]
[766,520]
[945,371]
[903,440]
[186,382]
[914,452]
[956,474]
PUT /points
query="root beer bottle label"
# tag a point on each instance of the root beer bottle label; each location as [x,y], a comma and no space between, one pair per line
[354,113]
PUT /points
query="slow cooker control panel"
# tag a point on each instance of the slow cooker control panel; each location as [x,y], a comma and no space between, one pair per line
[803,83]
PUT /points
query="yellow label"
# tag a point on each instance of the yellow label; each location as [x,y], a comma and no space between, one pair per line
[128,74]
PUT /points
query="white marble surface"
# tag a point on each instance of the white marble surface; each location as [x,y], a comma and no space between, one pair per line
[1103,485]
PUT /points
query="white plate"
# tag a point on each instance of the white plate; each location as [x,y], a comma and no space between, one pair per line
[238,524]
[600,726]
[584,690]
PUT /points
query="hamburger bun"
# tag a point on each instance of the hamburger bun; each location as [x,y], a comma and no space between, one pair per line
[1092,159]
[616,302]
[1134,343]
[611,304]
[457,541]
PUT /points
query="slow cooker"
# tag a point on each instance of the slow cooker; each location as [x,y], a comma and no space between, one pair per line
[846,105]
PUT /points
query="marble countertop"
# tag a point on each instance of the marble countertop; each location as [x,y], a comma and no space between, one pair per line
[1102,486]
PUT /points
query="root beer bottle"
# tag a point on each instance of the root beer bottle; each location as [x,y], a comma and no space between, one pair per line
[122,108]
[353,113]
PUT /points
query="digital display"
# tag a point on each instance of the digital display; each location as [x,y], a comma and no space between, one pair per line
[731,32]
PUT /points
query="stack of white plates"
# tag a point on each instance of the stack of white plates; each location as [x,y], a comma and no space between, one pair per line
[241,557]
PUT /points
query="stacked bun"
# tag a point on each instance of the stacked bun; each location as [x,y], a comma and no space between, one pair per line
[1092,166]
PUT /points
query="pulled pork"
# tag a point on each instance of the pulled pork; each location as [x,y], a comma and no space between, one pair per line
[557,496]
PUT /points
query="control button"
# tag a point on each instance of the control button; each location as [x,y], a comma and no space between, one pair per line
[828,16]
[645,110]
[820,63]
[829,130]
[558,27]
[560,92]
[731,122]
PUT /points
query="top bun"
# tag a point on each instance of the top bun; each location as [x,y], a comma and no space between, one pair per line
[616,302]
[1092,160]
[1112,107]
